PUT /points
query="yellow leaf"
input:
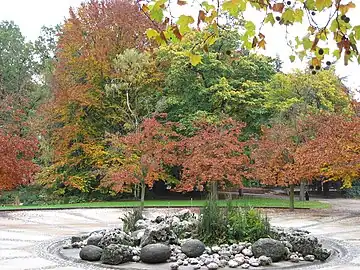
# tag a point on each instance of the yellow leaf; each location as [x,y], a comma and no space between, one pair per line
[262,44]
[195,59]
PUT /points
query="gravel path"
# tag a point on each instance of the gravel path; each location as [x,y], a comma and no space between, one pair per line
[26,235]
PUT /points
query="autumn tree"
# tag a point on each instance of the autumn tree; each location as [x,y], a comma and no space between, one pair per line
[143,157]
[80,112]
[214,157]
[329,30]
[279,156]
[335,148]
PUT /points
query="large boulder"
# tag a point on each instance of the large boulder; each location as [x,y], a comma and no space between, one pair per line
[115,236]
[270,248]
[155,253]
[302,242]
[115,254]
[94,239]
[137,236]
[158,233]
[91,253]
[193,248]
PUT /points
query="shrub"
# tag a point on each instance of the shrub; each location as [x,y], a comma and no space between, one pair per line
[247,224]
[231,224]
[354,191]
[129,220]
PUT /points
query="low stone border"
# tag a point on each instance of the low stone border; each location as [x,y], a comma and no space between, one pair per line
[53,251]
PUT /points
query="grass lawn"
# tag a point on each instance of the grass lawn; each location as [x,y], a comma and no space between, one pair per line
[245,201]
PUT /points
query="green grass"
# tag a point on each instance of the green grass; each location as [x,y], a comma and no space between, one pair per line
[245,201]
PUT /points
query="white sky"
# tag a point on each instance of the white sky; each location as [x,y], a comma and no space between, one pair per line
[30,15]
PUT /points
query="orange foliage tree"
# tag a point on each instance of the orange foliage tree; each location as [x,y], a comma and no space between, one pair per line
[143,157]
[278,155]
[17,147]
[80,113]
[335,148]
[213,156]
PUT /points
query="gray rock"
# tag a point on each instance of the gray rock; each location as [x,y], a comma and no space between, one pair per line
[225,253]
[141,224]
[181,256]
[309,258]
[212,266]
[322,254]
[215,249]
[197,266]
[208,261]
[137,236]
[91,253]
[155,253]
[193,261]
[115,254]
[78,244]
[135,258]
[172,259]
[264,260]
[158,233]
[193,248]
[301,259]
[270,248]
[254,262]
[115,236]
[185,262]
[294,258]
[78,238]
[247,252]
[239,260]
[233,263]
[245,266]
[94,239]
[174,266]
[179,262]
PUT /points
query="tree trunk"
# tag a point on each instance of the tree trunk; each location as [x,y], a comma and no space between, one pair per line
[142,200]
[214,191]
[302,191]
[292,202]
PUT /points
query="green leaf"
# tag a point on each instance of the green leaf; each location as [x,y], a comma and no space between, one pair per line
[184,22]
[298,15]
[288,16]
[152,33]
[322,4]
[157,14]
[250,28]
[270,18]
[292,58]
[207,6]
[356,30]
[307,43]
[234,7]
[336,53]
[310,4]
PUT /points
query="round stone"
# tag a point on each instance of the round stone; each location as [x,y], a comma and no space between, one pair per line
[193,248]
[155,253]
[270,248]
[91,253]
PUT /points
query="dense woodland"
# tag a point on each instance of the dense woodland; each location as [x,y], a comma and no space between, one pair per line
[94,109]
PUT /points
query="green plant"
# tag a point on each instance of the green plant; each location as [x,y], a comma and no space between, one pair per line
[247,224]
[130,218]
[231,224]
[213,223]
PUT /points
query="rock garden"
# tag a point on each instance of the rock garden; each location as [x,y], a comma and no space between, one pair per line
[216,238]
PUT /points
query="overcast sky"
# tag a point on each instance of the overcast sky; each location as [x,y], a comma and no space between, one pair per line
[30,15]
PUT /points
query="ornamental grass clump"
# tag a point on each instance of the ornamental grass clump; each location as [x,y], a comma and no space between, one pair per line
[231,224]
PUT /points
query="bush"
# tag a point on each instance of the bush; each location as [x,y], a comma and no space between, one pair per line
[231,224]
[130,219]
[248,224]
[354,191]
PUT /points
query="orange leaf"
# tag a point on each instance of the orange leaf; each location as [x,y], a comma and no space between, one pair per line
[278,7]
[181,2]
